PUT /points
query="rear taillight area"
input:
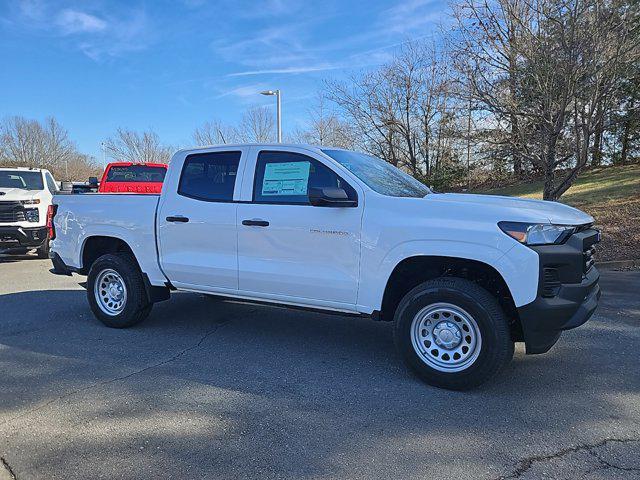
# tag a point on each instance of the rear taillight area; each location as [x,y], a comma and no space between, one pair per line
[51,212]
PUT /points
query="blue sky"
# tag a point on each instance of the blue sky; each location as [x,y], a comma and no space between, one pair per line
[97,65]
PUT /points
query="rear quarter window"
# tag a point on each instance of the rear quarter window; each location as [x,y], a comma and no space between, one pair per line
[210,176]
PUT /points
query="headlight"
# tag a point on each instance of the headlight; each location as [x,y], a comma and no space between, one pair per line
[35,201]
[537,233]
[32,215]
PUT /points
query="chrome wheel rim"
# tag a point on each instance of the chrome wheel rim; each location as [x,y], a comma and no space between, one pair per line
[446,337]
[110,292]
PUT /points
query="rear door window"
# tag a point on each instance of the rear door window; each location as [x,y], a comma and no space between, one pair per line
[210,176]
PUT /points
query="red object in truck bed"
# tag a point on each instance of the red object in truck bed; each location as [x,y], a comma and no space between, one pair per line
[128,177]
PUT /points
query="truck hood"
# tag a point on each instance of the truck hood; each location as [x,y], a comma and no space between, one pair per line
[13,194]
[518,209]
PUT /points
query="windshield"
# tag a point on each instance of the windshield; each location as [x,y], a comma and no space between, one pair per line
[136,173]
[19,179]
[380,176]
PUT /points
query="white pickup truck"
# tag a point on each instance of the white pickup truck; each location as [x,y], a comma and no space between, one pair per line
[462,277]
[25,197]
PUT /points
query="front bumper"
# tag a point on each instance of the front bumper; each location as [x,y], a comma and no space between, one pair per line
[567,294]
[22,237]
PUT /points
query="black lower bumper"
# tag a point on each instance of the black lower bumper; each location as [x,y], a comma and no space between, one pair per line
[59,267]
[21,237]
[544,319]
[567,295]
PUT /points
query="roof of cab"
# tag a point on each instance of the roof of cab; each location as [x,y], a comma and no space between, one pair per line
[130,164]
[305,146]
[23,169]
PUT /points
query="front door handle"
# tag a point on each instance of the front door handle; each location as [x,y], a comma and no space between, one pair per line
[178,219]
[255,223]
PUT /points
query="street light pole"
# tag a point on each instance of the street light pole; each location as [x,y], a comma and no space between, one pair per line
[278,111]
[279,116]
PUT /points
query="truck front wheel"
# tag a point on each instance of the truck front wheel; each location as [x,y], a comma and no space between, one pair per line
[115,290]
[452,333]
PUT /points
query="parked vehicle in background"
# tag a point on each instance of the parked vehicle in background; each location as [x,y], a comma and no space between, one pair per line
[81,187]
[462,276]
[127,177]
[25,200]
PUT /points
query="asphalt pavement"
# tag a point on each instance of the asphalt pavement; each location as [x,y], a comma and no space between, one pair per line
[218,389]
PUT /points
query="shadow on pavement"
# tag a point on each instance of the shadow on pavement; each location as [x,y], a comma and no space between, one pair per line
[207,387]
[6,258]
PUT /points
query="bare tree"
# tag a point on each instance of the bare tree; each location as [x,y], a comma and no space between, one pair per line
[79,168]
[31,143]
[214,133]
[131,146]
[59,149]
[404,111]
[542,68]
[325,127]
[257,125]
[22,142]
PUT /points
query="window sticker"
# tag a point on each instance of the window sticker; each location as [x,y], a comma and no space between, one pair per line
[289,178]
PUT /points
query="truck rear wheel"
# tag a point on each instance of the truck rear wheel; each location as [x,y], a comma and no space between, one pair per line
[115,290]
[43,250]
[452,333]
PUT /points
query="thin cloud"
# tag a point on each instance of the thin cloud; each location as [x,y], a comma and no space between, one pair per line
[409,16]
[130,33]
[287,70]
[73,21]
[33,9]
[244,91]
[268,48]
[98,34]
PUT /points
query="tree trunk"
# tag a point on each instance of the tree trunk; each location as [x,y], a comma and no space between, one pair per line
[624,152]
[549,162]
[549,177]
[515,153]
[596,154]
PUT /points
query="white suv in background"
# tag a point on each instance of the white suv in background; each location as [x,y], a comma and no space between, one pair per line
[25,197]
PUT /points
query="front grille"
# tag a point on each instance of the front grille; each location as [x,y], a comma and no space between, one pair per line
[11,212]
[589,258]
[550,282]
[589,250]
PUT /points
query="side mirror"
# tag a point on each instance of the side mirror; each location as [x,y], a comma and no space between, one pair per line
[93,181]
[330,197]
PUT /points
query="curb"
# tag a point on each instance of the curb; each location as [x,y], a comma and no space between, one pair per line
[616,264]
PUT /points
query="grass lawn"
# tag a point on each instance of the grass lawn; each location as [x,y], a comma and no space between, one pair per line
[611,195]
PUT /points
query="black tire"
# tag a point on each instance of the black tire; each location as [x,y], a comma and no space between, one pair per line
[496,349]
[137,305]
[43,250]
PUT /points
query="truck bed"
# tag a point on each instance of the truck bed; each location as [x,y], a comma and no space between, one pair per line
[129,216]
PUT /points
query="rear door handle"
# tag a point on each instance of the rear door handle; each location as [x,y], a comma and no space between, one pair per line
[178,219]
[255,223]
